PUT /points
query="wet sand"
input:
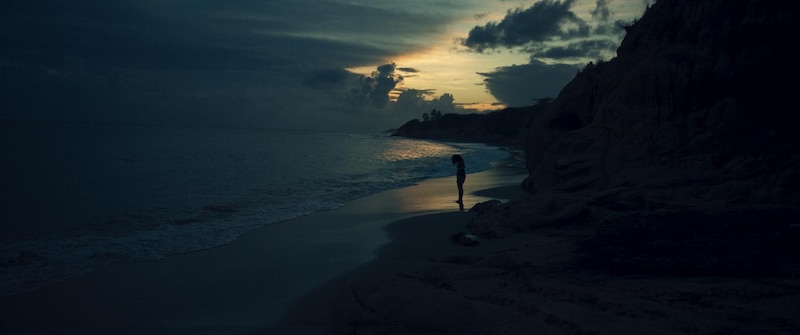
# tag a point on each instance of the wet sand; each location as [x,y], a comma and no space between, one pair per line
[386,264]
[244,287]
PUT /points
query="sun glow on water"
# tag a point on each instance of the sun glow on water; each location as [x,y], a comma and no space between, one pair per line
[412,150]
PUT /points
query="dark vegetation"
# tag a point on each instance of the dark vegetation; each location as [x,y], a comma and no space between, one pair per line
[506,127]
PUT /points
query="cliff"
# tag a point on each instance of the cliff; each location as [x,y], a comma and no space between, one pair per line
[687,132]
[696,87]
[660,184]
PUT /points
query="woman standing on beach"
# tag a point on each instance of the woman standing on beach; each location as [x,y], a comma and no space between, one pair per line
[461,175]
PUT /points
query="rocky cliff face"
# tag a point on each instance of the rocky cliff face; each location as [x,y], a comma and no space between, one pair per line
[679,156]
[697,94]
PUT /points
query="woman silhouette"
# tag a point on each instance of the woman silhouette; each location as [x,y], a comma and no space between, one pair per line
[461,175]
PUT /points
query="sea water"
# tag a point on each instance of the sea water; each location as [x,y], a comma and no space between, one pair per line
[78,196]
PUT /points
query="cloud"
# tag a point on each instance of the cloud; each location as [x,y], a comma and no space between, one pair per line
[408,69]
[593,49]
[544,21]
[602,12]
[522,85]
[382,82]
[326,77]
[550,29]
[374,89]
[266,63]
[480,16]
[413,102]
[279,63]
[557,41]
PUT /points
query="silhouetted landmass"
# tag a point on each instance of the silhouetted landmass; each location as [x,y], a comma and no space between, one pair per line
[505,126]
[680,151]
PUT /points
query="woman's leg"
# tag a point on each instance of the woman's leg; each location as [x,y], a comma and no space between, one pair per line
[460,196]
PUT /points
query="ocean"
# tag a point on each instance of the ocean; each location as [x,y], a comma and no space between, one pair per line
[79,196]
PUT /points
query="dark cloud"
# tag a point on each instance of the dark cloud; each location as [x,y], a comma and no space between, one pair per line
[274,63]
[602,12]
[593,49]
[412,100]
[326,77]
[480,16]
[278,63]
[151,35]
[383,81]
[544,21]
[522,85]
[413,103]
[374,89]
[547,31]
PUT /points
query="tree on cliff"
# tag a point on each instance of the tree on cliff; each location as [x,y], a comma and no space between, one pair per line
[433,116]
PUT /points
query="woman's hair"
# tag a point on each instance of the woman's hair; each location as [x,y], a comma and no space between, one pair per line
[456,159]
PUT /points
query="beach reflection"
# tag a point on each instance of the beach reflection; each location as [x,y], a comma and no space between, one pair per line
[405,149]
[439,194]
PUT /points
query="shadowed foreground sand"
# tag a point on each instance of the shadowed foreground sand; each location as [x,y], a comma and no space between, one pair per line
[534,282]
[531,283]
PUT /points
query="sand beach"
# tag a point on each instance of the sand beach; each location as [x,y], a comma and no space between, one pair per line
[246,286]
[387,264]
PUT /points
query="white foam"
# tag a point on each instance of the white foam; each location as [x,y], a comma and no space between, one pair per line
[261,187]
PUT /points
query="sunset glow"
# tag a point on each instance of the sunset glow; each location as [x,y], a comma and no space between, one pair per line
[344,64]
[447,66]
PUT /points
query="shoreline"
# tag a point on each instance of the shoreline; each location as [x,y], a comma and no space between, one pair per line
[533,281]
[81,239]
[386,264]
[243,286]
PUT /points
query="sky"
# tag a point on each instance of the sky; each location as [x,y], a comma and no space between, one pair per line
[316,64]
